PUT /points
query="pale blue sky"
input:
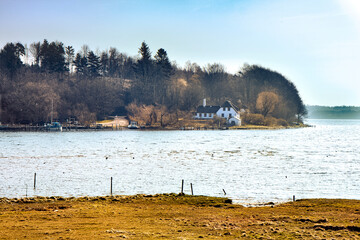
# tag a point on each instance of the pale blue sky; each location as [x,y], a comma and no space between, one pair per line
[314,43]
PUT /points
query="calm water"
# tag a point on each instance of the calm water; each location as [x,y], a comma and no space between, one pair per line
[251,166]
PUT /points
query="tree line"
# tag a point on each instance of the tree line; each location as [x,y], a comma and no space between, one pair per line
[337,112]
[89,85]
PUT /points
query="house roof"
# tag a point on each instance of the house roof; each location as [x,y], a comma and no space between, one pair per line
[207,109]
[230,104]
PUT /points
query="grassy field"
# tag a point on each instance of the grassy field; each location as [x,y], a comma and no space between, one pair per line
[170,216]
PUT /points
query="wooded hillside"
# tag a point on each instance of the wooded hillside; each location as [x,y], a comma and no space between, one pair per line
[90,85]
[339,112]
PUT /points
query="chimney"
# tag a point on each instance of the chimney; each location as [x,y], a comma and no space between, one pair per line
[204,102]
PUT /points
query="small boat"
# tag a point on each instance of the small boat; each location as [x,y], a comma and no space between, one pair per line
[133,125]
[53,127]
[3,126]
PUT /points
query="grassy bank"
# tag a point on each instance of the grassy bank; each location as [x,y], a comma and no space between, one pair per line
[170,216]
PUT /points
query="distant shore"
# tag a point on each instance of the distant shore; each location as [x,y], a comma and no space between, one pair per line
[36,128]
[173,216]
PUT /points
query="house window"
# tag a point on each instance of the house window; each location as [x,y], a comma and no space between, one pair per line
[230,115]
[222,115]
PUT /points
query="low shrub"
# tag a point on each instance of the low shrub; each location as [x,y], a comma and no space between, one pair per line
[282,122]
[254,118]
[270,121]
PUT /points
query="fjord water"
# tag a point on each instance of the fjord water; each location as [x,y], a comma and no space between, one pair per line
[251,165]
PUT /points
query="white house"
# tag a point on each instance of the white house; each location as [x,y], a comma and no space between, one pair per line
[227,110]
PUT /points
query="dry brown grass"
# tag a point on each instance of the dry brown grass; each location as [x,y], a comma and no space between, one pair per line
[170,216]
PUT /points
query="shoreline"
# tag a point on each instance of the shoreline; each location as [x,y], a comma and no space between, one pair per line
[117,198]
[45,199]
[29,128]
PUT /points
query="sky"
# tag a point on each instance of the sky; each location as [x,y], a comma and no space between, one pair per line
[314,44]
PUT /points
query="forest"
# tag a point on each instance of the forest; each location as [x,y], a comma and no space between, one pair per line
[47,77]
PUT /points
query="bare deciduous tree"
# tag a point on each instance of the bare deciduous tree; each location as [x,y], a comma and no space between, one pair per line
[266,102]
[35,52]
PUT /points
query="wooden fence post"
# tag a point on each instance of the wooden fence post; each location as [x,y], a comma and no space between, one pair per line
[34,180]
[111,186]
[182,186]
